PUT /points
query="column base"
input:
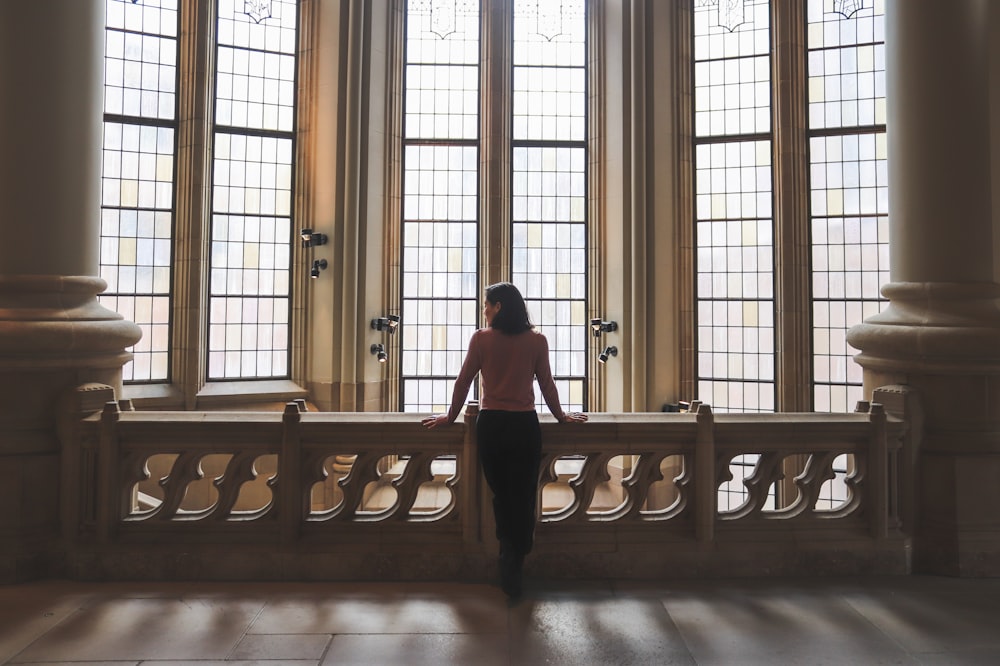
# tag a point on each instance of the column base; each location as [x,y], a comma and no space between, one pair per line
[943,341]
[933,328]
[54,336]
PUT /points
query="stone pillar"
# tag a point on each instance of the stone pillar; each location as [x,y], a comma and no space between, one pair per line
[54,335]
[941,332]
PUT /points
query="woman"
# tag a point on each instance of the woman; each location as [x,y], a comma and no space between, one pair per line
[510,356]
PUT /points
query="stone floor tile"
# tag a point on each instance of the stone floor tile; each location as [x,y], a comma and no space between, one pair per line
[379,614]
[130,662]
[27,612]
[418,650]
[119,629]
[904,619]
[971,657]
[594,630]
[551,589]
[930,614]
[285,647]
[200,662]
[749,624]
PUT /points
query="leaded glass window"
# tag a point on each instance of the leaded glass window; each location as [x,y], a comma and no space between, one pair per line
[443,162]
[251,228]
[733,205]
[245,291]
[440,226]
[138,171]
[549,177]
[734,138]
[848,188]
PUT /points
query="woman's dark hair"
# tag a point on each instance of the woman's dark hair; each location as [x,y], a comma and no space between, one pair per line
[513,315]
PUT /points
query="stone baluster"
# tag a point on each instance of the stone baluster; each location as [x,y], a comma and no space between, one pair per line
[877,499]
[705,492]
[472,493]
[109,503]
[293,500]
[76,490]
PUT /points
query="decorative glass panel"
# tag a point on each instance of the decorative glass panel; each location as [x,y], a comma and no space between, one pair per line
[846,64]
[732,70]
[139,156]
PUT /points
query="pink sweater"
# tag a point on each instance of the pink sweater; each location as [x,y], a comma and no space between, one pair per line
[508,364]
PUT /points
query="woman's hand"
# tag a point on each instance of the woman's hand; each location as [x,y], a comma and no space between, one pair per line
[573,417]
[435,420]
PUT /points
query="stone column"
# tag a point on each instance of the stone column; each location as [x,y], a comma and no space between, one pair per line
[941,332]
[54,335]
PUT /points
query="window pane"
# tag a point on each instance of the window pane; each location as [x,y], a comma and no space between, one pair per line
[440,226]
[549,184]
[250,260]
[732,67]
[138,172]
[733,206]
[849,188]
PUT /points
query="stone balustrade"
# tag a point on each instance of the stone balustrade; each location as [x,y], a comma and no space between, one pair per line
[321,495]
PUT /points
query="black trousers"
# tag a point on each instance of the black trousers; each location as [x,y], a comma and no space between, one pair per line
[510,449]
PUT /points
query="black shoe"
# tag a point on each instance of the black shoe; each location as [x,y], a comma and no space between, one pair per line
[512,588]
[510,574]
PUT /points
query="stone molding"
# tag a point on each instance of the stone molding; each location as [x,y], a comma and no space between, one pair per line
[55,321]
[933,328]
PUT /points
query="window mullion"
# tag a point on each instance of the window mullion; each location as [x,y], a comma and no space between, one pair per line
[793,368]
[495,143]
[195,62]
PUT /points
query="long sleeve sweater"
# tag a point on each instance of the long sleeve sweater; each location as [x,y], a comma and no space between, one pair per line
[508,364]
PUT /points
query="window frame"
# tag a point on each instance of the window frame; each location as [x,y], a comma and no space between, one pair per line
[187,386]
[495,147]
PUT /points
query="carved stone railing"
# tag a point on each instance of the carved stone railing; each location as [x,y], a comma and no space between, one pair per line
[345,495]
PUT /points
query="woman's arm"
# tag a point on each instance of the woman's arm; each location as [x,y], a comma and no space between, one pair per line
[543,373]
[470,367]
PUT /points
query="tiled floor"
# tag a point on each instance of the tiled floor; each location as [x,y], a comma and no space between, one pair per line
[905,620]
